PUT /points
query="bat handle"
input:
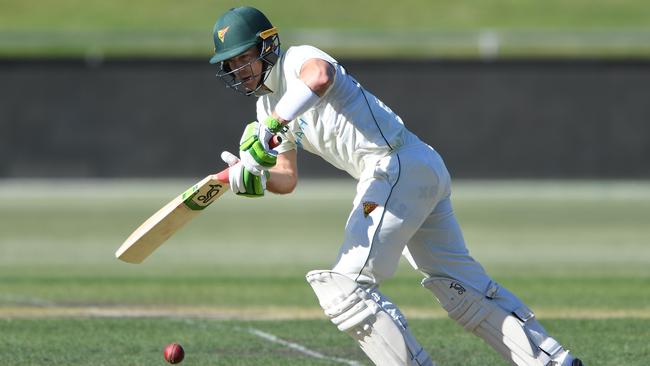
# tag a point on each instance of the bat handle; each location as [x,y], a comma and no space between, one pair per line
[273,143]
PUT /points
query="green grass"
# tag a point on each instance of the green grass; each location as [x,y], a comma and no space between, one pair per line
[416,27]
[576,252]
[139,341]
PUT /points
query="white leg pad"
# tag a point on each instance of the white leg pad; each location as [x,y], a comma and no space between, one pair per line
[516,335]
[385,341]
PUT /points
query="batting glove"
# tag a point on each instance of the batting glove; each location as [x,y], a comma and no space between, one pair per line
[254,150]
[242,181]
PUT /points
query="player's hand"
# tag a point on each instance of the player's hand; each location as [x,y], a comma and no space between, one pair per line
[254,150]
[243,182]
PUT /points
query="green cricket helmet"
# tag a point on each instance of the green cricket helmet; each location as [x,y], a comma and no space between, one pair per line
[234,33]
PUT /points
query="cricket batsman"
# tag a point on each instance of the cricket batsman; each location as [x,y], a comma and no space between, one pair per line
[402,204]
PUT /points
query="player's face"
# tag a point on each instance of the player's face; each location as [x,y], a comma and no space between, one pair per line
[247,68]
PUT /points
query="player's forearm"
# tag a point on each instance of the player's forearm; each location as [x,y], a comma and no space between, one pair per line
[284,175]
[281,181]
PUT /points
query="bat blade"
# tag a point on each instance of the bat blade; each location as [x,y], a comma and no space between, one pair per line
[173,216]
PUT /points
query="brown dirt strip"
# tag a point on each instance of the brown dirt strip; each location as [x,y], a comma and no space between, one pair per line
[274,312]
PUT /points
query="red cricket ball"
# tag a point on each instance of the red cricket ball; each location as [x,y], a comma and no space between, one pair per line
[174,353]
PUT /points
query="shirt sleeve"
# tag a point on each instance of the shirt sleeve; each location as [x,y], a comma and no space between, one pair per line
[296,57]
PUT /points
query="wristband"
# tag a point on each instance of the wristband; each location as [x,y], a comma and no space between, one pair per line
[273,124]
[296,100]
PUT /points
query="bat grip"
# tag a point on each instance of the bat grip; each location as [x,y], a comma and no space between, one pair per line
[273,143]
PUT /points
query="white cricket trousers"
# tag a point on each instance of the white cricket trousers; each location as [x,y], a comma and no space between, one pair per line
[414,217]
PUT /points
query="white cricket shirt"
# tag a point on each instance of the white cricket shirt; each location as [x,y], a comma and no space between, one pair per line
[348,127]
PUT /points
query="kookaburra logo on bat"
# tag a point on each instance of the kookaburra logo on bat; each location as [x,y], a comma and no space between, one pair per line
[213,191]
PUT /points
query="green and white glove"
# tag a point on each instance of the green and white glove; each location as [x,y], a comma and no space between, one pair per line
[243,182]
[254,150]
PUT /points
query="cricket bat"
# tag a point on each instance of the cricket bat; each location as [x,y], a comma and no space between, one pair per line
[174,215]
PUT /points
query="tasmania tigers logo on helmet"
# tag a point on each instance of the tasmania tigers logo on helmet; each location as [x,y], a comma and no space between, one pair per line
[221,33]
